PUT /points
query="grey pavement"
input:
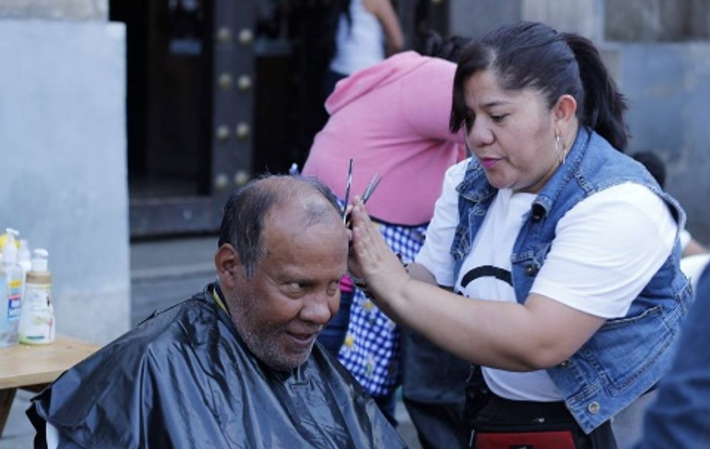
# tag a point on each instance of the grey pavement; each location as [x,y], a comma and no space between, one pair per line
[163,273]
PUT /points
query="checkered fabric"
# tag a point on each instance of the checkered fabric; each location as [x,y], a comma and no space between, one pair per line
[371,351]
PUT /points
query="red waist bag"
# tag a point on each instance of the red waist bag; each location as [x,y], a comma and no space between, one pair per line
[555,436]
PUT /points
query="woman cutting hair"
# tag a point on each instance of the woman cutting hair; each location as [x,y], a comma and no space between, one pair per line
[538,265]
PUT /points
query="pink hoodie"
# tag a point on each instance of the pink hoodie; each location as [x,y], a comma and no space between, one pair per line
[393,119]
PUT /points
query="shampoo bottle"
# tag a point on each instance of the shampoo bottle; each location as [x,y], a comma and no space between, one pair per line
[13,292]
[37,323]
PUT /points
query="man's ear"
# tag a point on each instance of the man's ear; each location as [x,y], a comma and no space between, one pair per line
[228,265]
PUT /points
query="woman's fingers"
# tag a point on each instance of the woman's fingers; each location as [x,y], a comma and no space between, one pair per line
[370,247]
[362,226]
[374,260]
[359,208]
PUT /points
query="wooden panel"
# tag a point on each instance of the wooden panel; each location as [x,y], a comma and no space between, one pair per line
[233,38]
[200,84]
[178,90]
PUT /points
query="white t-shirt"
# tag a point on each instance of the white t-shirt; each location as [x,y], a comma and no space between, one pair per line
[606,249]
[684,238]
[360,44]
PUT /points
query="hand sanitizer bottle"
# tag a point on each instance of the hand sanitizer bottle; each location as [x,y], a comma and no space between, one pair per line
[13,291]
[37,323]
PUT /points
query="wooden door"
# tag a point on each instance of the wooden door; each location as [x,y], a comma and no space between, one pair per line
[189,110]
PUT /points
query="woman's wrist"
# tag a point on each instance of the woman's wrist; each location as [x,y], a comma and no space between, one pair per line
[361,283]
[405,265]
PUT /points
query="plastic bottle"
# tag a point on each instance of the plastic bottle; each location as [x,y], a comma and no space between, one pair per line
[37,323]
[23,255]
[14,284]
[3,240]
[6,326]
[23,259]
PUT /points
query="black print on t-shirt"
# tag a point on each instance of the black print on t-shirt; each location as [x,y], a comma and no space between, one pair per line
[486,271]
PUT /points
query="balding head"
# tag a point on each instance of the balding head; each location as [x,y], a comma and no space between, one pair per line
[301,202]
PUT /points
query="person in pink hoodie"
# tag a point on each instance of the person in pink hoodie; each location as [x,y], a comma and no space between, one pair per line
[392,119]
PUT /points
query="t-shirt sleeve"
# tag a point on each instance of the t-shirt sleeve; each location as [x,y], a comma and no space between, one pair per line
[435,254]
[606,249]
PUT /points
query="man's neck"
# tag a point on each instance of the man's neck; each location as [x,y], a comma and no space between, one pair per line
[218,297]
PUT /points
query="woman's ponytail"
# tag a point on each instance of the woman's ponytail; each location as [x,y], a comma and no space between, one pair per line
[604,106]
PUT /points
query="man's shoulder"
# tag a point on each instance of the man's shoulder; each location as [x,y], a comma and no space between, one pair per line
[193,322]
[188,333]
[120,394]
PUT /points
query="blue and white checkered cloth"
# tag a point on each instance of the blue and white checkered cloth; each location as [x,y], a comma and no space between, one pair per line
[371,351]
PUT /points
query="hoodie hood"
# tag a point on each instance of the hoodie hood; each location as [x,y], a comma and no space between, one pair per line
[364,81]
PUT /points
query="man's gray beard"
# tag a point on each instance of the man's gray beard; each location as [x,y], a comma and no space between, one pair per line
[268,352]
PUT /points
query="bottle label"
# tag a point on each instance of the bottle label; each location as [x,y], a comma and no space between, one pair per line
[14,297]
[37,324]
[4,305]
[8,313]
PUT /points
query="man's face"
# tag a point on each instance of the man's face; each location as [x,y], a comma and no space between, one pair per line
[294,291]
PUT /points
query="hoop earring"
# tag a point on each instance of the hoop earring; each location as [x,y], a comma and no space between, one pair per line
[562,155]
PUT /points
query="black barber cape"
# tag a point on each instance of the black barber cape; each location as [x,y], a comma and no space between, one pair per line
[185,379]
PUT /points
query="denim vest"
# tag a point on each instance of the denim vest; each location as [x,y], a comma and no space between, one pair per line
[626,356]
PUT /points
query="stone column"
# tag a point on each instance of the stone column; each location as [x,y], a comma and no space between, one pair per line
[63,153]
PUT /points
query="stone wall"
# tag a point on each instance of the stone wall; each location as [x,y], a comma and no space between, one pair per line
[581,17]
[63,170]
[472,18]
[668,87]
[55,9]
[657,20]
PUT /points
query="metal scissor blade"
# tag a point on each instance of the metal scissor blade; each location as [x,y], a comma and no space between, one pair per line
[347,189]
[374,182]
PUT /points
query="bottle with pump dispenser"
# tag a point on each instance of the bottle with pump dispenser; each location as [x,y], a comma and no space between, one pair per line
[24,260]
[12,296]
[37,323]
[24,256]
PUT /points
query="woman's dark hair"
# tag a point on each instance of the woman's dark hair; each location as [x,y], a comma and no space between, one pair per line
[432,44]
[534,55]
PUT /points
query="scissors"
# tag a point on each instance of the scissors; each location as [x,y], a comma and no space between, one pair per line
[369,190]
[347,190]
